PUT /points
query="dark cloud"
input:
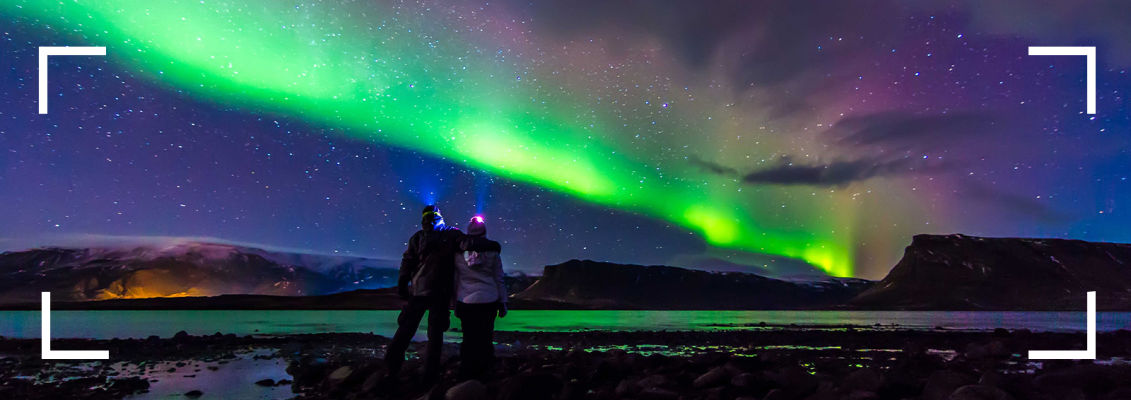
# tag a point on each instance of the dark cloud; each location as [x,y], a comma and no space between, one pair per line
[786,42]
[711,166]
[839,173]
[904,130]
[691,30]
[758,43]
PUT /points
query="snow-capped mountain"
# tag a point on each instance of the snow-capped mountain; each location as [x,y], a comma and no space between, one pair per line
[182,268]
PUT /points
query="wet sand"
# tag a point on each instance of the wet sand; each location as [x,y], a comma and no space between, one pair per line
[762,362]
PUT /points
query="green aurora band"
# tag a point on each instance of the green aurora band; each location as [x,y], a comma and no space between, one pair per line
[414,83]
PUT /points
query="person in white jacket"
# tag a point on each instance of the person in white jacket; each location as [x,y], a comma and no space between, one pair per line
[480,296]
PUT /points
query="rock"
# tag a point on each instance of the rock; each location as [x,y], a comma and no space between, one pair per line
[990,378]
[995,349]
[608,371]
[626,388]
[655,393]
[862,395]
[794,378]
[370,383]
[573,390]
[192,394]
[654,380]
[942,383]
[180,336]
[715,377]
[863,379]
[979,392]
[129,385]
[826,390]
[467,390]
[776,394]
[1092,379]
[744,380]
[529,386]
[339,375]
[1119,394]
[265,382]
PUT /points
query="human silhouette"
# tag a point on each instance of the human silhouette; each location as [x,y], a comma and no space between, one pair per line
[426,282]
[480,295]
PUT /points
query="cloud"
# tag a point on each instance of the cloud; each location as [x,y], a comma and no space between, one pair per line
[839,173]
[904,136]
[765,44]
[898,130]
[712,167]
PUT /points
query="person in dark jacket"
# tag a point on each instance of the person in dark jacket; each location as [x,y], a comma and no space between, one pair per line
[426,280]
[480,295]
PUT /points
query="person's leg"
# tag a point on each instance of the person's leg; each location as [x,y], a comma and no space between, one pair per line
[466,345]
[438,321]
[489,337]
[407,323]
[478,337]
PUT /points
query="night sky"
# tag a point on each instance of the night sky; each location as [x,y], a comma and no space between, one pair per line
[753,136]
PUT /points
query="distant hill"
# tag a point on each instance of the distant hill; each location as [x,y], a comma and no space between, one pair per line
[361,299]
[181,268]
[571,285]
[958,272]
[937,272]
[595,284]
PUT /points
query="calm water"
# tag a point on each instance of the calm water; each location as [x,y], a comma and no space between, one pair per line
[140,324]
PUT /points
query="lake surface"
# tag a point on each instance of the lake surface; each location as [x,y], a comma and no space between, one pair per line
[143,323]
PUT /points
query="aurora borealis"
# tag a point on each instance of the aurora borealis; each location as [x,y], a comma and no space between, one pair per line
[747,134]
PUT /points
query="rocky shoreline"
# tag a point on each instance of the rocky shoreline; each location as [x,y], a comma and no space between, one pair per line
[790,362]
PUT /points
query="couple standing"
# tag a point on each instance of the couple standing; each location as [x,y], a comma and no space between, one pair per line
[442,263]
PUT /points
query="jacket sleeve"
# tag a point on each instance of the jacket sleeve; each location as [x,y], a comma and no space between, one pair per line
[499,284]
[410,261]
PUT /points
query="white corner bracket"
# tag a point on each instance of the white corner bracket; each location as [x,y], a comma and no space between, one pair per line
[47,51]
[1089,52]
[1089,354]
[45,339]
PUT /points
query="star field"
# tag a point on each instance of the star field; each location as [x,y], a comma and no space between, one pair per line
[735,136]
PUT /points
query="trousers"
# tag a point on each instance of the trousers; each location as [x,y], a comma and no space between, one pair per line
[408,321]
[477,351]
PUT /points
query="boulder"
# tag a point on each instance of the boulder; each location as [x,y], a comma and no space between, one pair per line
[744,380]
[339,375]
[944,382]
[467,390]
[775,394]
[714,377]
[863,379]
[530,386]
[655,393]
[979,392]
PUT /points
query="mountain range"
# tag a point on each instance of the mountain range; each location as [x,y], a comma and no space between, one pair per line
[937,272]
[960,272]
[182,268]
[594,284]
